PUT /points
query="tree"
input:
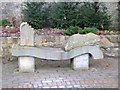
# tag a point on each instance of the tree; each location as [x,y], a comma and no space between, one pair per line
[66,14]
[35,14]
[94,15]
[84,14]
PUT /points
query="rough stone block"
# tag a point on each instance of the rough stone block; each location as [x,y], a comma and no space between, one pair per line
[105,43]
[62,40]
[113,38]
[15,40]
[80,62]
[118,38]
[38,40]
[78,40]
[57,40]
[9,40]
[26,64]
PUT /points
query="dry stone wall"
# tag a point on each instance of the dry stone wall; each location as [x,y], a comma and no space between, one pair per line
[58,41]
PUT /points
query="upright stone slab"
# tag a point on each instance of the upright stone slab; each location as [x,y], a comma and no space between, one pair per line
[26,35]
[81,62]
[26,64]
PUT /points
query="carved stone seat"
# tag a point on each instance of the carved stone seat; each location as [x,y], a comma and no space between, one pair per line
[26,52]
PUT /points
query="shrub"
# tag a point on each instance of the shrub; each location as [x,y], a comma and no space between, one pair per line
[94,15]
[65,14]
[82,14]
[37,14]
[4,22]
[73,30]
[89,30]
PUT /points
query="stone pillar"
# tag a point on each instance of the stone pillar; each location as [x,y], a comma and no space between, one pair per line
[26,63]
[80,62]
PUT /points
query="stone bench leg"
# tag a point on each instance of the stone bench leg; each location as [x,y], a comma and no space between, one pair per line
[26,64]
[80,62]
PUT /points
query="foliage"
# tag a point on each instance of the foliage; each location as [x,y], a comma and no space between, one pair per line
[34,14]
[82,14]
[74,30]
[94,15]
[89,30]
[4,22]
[66,14]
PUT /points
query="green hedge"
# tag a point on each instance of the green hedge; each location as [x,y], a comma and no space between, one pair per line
[74,30]
[62,15]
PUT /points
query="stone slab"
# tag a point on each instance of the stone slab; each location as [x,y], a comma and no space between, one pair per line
[80,62]
[26,64]
[57,53]
[26,35]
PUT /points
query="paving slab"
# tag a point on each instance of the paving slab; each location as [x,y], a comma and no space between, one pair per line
[103,73]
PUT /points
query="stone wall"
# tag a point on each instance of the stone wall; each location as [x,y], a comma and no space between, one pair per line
[113,51]
[52,41]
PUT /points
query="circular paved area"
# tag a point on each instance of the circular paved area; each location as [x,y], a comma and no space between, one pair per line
[58,74]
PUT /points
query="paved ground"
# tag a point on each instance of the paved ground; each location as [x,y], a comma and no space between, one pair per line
[58,74]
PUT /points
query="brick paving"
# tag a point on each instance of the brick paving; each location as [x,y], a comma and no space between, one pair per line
[58,74]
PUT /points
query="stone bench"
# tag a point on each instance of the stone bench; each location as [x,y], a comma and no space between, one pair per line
[80,56]
[27,52]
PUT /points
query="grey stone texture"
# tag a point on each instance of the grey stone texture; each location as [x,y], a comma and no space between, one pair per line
[78,40]
[57,53]
[80,62]
[26,35]
[26,64]
[113,38]
[15,41]
[85,45]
